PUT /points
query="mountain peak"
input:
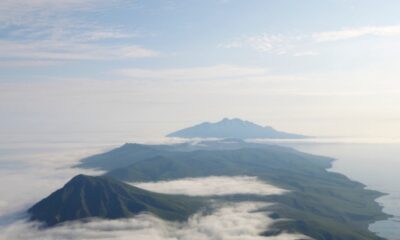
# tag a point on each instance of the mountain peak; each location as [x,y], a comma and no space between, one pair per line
[231,128]
[103,197]
[81,178]
[233,120]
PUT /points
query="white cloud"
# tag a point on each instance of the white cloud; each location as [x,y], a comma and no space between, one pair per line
[30,172]
[62,51]
[106,34]
[35,4]
[26,63]
[47,31]
[350,33]
[278,44]
[195,73]
[20,12]
[215,185]
[235,221]
[266,43]
[306,44]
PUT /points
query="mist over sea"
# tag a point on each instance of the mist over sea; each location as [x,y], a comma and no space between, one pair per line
[34,165]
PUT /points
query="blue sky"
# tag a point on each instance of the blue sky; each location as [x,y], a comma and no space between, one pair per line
[315,67]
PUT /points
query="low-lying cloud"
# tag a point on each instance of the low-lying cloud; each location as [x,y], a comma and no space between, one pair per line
[29,175]
[230,222]
[215,185]
[30,172]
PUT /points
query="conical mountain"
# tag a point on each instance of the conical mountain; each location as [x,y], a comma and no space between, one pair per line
[103,197]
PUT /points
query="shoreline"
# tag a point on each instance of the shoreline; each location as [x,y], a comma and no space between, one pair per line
[319,195]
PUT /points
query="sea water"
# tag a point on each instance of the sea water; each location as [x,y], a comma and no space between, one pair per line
[377,165]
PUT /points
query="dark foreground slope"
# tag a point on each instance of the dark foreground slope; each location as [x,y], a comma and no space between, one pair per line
[232,128]
[321,204]
[103,197]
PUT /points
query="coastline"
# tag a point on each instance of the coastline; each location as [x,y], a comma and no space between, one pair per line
[358,161]
[321,202]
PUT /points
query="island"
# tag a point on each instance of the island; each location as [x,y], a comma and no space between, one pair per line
[319,203]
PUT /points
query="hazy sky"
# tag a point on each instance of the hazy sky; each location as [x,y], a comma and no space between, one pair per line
[317,67]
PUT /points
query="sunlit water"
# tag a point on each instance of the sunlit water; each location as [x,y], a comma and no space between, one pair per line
[32,166]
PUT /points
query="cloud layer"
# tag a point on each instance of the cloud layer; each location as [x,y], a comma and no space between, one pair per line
[230,222]
[29,173]
[216,185]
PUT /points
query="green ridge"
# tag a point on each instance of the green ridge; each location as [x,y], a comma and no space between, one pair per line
[322,204]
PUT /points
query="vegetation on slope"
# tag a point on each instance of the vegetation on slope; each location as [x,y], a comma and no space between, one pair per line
[103,197]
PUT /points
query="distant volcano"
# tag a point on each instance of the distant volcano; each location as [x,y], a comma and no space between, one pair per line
[232,128]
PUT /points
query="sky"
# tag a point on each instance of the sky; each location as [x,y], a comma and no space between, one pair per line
[147,68]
